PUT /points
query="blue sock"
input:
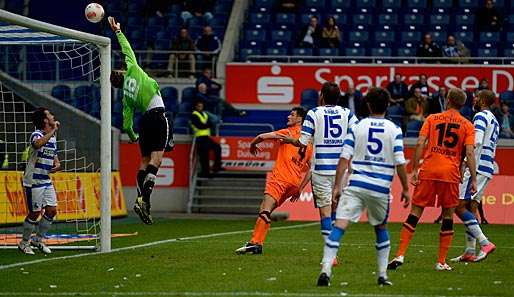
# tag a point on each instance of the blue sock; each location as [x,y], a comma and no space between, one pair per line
[331,248]
[326,227]
[472,226]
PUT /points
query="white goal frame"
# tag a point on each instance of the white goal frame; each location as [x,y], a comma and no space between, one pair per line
[104,46]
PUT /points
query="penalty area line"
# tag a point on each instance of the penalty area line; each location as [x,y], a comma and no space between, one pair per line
[145,245]
[240,293]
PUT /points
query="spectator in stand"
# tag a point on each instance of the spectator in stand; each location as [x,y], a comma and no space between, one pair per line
[484,85]
[437,101]
[488,18]
[455,50]
[310,35]
[197,8]
[352,100]
[416,107]
[216,104]
[287,6]
[428,49]
[179,61]
[506,120]
[422,85]
[213,87]
[209,44]
[398,90]
[331,36]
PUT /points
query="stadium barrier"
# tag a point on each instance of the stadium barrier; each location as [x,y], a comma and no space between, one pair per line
[273,83]
[78,196]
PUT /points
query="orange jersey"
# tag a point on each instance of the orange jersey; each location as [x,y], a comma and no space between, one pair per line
[448,133]
[292,162]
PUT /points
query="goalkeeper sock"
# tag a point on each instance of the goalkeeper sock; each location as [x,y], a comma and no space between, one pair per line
[383,247]
[28,228]
[140,181]
[44,225]
[408,229]
[445,239]
[149,182]
[261,228]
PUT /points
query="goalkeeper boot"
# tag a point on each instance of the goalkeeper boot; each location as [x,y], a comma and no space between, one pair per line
[250,247]
[143,211]
[323,280]
[38,243]
[25,248]
[395,263]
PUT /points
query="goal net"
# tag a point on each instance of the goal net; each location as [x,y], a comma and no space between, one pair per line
[66,71]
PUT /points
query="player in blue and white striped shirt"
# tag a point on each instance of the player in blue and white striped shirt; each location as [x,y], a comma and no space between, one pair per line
[375,147]
[486,137]
[39,191]
[325,127]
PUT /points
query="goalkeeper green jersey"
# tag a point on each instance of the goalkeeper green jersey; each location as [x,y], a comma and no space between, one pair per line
[139,89]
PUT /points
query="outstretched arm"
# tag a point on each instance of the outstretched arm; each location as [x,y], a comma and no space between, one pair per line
[128,115]
[130,57]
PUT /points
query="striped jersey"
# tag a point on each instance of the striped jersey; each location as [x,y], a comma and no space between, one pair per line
[487,130]
[326,127]
[375,146]
[40,162]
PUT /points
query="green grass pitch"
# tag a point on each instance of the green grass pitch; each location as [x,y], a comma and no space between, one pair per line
[208,266]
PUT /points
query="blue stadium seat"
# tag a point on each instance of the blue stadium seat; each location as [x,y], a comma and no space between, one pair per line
[260,18]
[487,52]
[508,52]
[465,19]
[388,19]
[276,51]
[62,92]
[82,97]
[439,19]
[302,52]
[468,3]
[414,19]
[395,113]
[411,37]
[341,19]
[465,37]
[442,3]
[413,128]
[362,19]
[392,3]
[264,3]
[510,37]
[406,52]
[439,36]
[493,37]
[281,35]
[255,35]
[181,124]
[384,36]
[365,3]
[417,3]
[381,52]
[285,18]
[355,51]
[309,98]
[342,4]
[170,98]
[305,18]
[315,3]
[358,36]
[507,96]
[329,52]
[220,21]
[188,94]
[466,112]
[245,52]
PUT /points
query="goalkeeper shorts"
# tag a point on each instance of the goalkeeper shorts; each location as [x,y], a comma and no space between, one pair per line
[153,131]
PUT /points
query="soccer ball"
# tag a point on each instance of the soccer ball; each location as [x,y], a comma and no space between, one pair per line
[94,12]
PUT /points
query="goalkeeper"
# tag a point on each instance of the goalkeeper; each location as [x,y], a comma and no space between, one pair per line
[141,92]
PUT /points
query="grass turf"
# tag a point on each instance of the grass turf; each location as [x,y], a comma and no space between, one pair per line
[288,267]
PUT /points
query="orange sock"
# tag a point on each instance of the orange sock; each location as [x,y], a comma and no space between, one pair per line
[445,241]
[261,228]
[405,237]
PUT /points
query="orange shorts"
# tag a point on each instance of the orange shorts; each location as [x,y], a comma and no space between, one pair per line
[280,190]
[426,192]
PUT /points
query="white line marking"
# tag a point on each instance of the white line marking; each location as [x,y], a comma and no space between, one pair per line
[257,293]
[153,243]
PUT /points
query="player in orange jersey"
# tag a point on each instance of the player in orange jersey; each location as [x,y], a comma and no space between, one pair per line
[445,137]
[287,179]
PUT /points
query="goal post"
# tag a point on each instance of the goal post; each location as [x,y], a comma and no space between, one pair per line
[104,49]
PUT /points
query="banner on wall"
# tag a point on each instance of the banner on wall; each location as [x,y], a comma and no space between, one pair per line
[268,83]
[235,154]
[78,196]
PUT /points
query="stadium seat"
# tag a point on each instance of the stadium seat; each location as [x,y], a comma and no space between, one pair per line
[406,52]
[381,52]
[62,92]
[362,19]
[468,3]
[392,3]
[442,3]
[365,3]
[388,19]
[354,52]
[264,3]
[276,51]
[413,19]
[260,18]
[413,128]
[188,94]
[439,36]
[507,96]
[493,37]
[255,35]
[281,35]
[384,36]
[305,18]
[302,52]
[329,52]
[320,4]
[170,98]
[181,124]
[487,52]
[417,3]
[309,98]
[439,19]
[465,19]
[411,37]
[358,36]
[395,113]
[341,19]
[465,37]
[244,53]
[82,98]
[510,37]
[285,18]
[342,4]
[466,112]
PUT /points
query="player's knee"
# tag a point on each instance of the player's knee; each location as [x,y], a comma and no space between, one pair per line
[266,216]
[412,220]
[50,211]
[447,225]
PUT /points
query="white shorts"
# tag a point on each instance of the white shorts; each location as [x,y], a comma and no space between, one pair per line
[322,186]
[352,204]
[38,198]
[482,182]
